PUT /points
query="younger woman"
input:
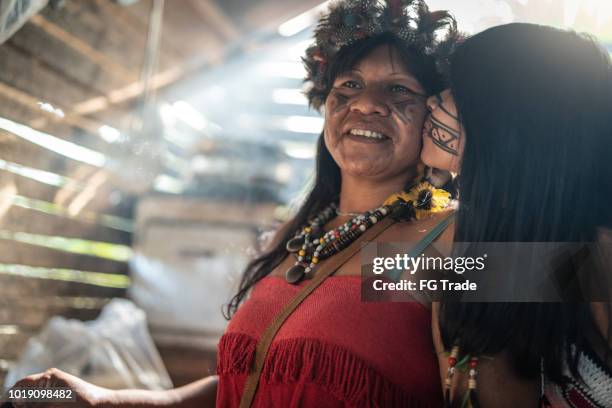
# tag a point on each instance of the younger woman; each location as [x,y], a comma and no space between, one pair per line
[527,125]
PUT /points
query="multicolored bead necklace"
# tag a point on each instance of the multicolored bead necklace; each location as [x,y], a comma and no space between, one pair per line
[311,245]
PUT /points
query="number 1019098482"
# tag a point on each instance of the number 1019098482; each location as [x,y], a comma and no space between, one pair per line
[39,395]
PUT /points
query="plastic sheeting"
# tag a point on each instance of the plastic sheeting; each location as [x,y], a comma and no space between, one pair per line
[114,351]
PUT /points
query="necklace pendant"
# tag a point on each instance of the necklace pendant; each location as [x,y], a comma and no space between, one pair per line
[295,244]
[295,273]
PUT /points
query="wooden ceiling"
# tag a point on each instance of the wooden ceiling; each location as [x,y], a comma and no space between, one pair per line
[85,57]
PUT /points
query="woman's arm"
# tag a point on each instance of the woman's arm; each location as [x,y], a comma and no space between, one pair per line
[198,394]
[201,393]
[498,385]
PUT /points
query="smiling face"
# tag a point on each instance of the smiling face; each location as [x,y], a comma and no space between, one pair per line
[443,134]
[373,117]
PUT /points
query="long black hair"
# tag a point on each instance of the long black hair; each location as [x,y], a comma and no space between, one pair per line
[536,105]
[327,180]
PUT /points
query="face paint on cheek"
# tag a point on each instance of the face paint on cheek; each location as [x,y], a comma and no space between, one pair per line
[443,136]
[338,102]
[405,111]
[443,108]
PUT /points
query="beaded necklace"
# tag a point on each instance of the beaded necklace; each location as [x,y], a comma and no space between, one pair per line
[312,245]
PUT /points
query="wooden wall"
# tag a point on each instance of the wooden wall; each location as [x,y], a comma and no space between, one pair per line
[63,222]
[55,233]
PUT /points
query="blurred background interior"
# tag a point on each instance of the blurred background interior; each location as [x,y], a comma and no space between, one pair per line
[146,144]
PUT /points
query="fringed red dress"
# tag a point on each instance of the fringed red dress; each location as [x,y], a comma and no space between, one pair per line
[333,351]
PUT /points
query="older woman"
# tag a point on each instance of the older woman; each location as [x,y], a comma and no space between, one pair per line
[372,68]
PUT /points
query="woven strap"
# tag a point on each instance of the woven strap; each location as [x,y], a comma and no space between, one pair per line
[426,241]
[326,270]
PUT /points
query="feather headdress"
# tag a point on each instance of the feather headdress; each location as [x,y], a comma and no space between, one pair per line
[349,21]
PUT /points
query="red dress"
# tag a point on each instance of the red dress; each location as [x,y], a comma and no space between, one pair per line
[333,351]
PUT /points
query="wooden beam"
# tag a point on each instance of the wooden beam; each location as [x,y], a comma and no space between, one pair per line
[41,47]
[15,150]
[31,102]
[128,21]
[13,252]
[83,48]
[135,89]
[25,70]
[32,311]
[27,287]
[213,15]
[32,222]
[140,13]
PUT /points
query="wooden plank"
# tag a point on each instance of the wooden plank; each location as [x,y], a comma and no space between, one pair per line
[104,23]
[37,190]
[23,152]
[139,13]
[12,252]
[28,81]
[22,70]
[51,301]
[64,201]
[83,48]
[32,103]
[31,314]
[86,216]
[87,22]
[55,53]
[19,286]
[23,109]
[23,48]
[129,92]
[26,220]
[135,29]
[16,110]
[15,149]
[65,222]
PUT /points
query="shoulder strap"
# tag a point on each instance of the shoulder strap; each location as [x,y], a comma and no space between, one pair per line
[432,235]
[420,246]
[324,271]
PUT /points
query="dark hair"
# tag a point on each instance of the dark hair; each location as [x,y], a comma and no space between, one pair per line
[327,173]
[535,103]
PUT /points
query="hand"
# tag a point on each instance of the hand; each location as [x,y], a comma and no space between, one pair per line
[86,394]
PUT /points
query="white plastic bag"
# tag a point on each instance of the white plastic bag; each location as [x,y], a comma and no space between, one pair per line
[15,13]
[113,351]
